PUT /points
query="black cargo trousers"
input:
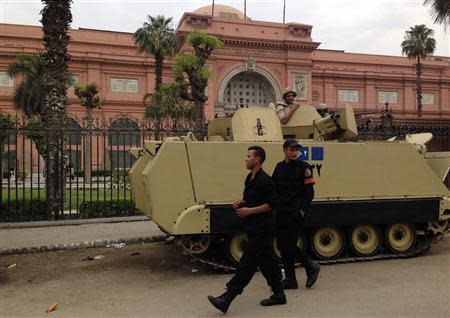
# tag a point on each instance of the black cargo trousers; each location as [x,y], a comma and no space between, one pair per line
[258,252]
[289,224]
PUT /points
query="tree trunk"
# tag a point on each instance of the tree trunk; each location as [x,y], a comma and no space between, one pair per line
[199,114]
[159,60]
[56,19]
[55,164]
[419,86]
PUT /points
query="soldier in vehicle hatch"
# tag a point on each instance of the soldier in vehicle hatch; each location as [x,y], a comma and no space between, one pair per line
[294,183]
[255,209]
[287,108]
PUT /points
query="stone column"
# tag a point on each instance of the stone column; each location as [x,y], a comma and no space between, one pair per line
[370,96]
[94,74]
[329,92]
[444,98]
[409,100]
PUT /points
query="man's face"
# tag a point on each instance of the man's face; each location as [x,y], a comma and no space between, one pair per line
[251,160]
[290,153]
[289,97]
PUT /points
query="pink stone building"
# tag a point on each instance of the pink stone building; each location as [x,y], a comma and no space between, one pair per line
[259,59]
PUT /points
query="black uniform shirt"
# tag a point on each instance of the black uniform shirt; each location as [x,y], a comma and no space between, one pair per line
[293,183]
[258,191]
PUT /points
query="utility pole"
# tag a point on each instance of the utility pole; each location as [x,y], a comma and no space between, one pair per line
[245,9]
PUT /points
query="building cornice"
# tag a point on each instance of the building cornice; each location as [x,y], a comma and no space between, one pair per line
[374,76]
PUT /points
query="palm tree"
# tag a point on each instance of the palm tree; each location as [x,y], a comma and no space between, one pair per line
[89,96]
[440,11]
[157,37]
[29,96]
[56,19]
[417,44]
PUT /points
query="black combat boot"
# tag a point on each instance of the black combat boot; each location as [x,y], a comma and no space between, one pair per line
[223,301]
[291,280]
[312,273]
[277,298]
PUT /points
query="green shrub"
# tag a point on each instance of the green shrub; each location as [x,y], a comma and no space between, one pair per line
[23,210]
[93,209]
[120,179]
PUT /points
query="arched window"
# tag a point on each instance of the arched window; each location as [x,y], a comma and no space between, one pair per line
[123,134]
[73,132]
[73,129]
[246,89]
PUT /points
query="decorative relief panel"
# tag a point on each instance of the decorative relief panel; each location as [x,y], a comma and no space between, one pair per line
[300,81]
[388,97]
[123,85]
[75,79]
[300,31]
[427,98]
[253,52]
[199,22]
[250,65]
[6,80]
[348,96]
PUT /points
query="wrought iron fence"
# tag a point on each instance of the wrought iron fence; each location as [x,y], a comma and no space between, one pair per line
[387,127]
[96,160]
[94,165]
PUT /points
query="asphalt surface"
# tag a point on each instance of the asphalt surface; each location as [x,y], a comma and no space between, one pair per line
[156,280]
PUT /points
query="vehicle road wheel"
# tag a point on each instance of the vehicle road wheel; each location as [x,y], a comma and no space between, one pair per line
[195,244]
[365,240]
[327,242]
[400,238]
[236,246]
[438,227]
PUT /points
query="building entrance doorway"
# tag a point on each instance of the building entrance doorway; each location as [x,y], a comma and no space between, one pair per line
[246,89]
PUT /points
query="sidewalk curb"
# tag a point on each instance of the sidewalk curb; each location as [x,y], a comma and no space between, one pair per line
[23,225]
[81,245]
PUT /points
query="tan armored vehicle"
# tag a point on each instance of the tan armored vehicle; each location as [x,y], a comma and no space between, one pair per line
[374,199]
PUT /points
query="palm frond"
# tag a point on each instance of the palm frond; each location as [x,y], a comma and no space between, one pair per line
[29,96]
[440,11]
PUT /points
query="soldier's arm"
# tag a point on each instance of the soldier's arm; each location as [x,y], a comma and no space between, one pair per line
[288,114]
[308,193]
[267,189]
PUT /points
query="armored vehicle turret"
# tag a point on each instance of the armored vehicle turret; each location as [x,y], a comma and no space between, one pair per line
[373,199]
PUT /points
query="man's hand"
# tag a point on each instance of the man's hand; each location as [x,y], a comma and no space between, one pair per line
[237,203]
[302,213]
[243,212]
[295,106]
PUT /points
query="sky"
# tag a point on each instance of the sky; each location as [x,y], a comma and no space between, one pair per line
[359,26]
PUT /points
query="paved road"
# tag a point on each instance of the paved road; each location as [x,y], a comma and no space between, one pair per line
[161,282]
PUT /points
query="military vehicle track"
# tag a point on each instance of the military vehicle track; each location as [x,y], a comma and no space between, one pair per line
[423,244]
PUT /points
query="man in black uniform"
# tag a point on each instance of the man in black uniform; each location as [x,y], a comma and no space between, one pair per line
[294,183]
[256,211]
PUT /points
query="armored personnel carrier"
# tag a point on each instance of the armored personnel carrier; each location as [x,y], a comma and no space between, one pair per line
[373,199]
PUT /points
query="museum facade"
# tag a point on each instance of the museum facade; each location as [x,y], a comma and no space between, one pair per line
[257,62]
[259,59]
